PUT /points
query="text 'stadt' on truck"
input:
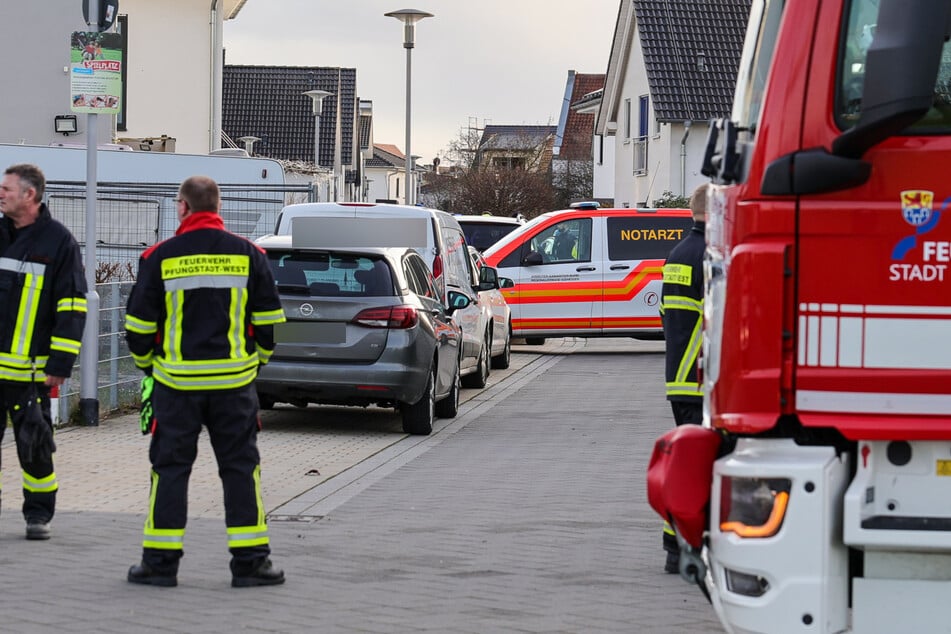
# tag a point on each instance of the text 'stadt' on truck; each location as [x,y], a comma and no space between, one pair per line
[823,469]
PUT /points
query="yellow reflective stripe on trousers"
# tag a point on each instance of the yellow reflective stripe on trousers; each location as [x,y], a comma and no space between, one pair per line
[140,326]
[161,538]
[77,304]
[683,389]
[244,536]
[39,485]
[26,314]
[268,317]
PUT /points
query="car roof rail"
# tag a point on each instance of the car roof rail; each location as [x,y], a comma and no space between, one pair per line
[587,204]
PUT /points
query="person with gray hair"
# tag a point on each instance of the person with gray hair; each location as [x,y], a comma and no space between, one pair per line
[681,309]
[43,292]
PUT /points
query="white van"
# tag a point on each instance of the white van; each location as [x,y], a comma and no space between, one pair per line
[443,247]
[588,272]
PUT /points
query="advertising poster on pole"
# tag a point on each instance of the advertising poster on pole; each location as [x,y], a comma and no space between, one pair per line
[95,78]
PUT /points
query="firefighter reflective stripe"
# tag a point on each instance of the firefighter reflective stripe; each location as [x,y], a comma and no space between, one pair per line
[245,536]
[203,265]
[682,303]
[143,361]
[39,485]
[689,359]
[141,326]
[26,314]
[208,366]
[77,304]
[161,538]
[205,281]
[172,343]
[203,382]
[14,368]
[19,266]
[65,345]
[668,529]
[684,389]
[264,355]
[21,362]
[268,317]
[239,304]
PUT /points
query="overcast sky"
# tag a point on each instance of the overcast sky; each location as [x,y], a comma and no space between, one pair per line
[494,61]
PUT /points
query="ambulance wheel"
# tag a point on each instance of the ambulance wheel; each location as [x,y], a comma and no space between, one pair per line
[535,341]
[418,417]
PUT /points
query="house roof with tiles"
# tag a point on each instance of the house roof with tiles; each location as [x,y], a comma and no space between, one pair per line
[267,102]
[691,52]
[576,127]
[386,156]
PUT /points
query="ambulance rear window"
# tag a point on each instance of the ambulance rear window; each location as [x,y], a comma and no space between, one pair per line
[633,238]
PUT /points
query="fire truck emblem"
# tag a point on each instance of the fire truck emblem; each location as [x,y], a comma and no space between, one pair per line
[916,206]
[916,209]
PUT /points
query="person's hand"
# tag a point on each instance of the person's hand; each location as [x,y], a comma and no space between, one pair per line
[54,381]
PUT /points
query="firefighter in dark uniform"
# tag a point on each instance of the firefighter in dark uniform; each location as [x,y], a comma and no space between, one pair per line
[43,295]
[681,309]
[200,321]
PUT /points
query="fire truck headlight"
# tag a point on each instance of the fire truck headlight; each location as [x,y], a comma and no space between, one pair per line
[745,584]
[753,507]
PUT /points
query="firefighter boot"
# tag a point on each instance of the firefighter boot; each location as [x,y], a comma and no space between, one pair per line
[144,574]
[263,575]
[37,530]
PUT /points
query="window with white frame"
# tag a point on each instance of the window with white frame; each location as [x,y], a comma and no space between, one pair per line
[627,120]
[640,142]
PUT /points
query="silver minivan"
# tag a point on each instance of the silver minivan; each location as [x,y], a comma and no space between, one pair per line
[436,236]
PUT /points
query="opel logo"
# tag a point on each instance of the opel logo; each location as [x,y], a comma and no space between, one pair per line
[306,310]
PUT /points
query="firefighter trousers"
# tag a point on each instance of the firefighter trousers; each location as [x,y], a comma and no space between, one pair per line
[39,479]
[231,418]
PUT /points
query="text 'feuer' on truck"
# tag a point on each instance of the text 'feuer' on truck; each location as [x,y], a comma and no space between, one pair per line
[817,495]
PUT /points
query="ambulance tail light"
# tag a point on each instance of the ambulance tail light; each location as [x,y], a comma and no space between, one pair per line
[753,507]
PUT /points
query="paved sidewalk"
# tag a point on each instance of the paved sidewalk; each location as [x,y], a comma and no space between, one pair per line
[526,513]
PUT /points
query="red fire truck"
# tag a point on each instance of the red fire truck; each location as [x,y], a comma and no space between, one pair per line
[816,497]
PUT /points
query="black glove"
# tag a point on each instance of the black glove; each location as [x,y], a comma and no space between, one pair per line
[35,439]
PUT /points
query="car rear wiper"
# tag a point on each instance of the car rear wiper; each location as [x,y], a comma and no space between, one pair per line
[293,288]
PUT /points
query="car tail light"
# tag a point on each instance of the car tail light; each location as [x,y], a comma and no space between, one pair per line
[753,507]
[437,267]
[387,317]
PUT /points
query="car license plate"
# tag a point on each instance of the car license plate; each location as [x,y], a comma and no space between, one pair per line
[943,467]
[297,332]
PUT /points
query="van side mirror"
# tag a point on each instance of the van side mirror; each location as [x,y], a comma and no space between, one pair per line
[506,282]
[457,300]
[534,258]
[488,279]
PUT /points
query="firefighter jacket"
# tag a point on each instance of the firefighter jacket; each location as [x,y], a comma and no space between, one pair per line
[202,312]
[43,295]
[681,308]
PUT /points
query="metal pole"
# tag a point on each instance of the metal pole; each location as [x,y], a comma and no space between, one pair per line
[317,141]
[408,188]
[89,352]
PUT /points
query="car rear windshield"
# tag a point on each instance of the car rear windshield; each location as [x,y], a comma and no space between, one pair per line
[483,235]
[328,274]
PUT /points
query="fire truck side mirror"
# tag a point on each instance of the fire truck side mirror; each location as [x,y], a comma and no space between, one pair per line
[900,72]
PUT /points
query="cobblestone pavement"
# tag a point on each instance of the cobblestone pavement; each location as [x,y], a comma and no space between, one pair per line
[525,513]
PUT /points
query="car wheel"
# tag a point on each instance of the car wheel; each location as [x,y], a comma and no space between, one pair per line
[480,377]
[502,361]
[418,417]
[449,406]
[535,341]
[265,402]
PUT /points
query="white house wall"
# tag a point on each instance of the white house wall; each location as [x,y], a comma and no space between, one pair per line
[603,176]
[629,189]
[169,72]
[169,77]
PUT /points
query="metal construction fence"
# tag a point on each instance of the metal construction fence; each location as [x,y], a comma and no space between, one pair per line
[130,218]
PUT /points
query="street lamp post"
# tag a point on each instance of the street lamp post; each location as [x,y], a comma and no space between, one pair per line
[317,97]
[409,18]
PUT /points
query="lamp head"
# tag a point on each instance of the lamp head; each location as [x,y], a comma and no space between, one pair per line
[409,18]
[317,96]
